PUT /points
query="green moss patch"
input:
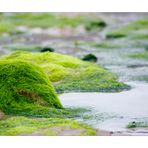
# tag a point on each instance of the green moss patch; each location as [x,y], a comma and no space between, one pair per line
[115,35]
[135,124]
[102,45]
[140,36]
[141,55]
[30,48]
[43,20]
[24,84]
[47,20]
[46,112]
[71,74]
[131,30]
[43,127]
[95,25]
[6,27]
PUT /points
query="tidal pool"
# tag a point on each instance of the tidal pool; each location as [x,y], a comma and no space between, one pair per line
[119,108]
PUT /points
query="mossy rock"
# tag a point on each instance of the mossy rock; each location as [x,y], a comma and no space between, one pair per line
[24,84]
[90,57]
[95,25]
[70,74]
[114,35]
[132,125]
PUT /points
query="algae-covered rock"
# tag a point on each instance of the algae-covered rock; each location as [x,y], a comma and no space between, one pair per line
[95,24]
[70,74]
[24,84]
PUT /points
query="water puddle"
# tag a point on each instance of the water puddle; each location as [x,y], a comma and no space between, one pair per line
[120,108]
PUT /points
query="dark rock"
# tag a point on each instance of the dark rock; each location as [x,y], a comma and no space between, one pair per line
[95,25]
[49,49]
[90,57]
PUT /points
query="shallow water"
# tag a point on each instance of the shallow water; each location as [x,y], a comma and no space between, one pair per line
[113,111]
[121,108]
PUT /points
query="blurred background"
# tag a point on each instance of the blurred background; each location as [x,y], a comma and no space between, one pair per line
[116,39]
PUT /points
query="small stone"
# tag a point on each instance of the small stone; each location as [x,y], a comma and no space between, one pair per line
[49,49]
[90,57]
[2,115]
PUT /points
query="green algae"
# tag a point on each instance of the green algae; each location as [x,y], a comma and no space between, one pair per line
[115,35]
[135,124]
[46,20]
[71,74]
[48,112]
[43,126]
[43,20]
[102,45]
[140,55]
[24,84]
[130,30]
[30,48]
[140,37]
[6,27]
[95,24]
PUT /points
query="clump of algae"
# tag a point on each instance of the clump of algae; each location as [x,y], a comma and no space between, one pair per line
[70,74]
[24,84]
